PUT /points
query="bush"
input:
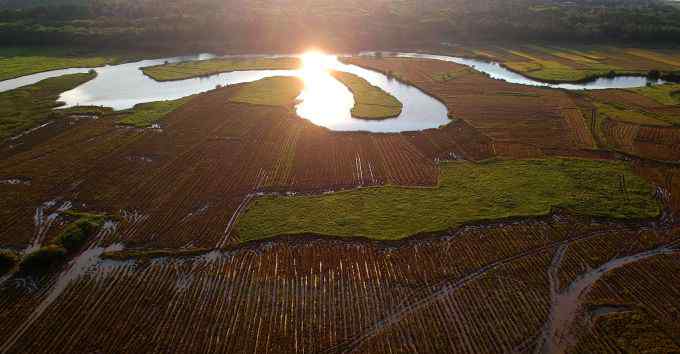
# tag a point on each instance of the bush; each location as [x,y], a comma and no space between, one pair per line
[44,258]
[654,74]
[7,261]
[76,234]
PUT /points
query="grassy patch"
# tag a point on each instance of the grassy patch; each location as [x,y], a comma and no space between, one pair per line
[370,102]
[21,61]
[146,114]
[553,71]
[186,70]
[467,192]
[29,106]
[624,114]
[654,56]
[76,234]
[7,261]
[664,94]
[271,91]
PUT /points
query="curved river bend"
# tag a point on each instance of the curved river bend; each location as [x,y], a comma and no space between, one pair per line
[324,100]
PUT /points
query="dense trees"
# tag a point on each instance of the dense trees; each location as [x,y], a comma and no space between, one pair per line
[259,23]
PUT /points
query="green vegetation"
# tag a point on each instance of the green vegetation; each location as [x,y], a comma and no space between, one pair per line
[271,91]
[44,258]
[185,70]
[146,114]
[553,71]
[7,261]
[29,106]
[468,192]
[624,114]
[370,102]
[15,61]
[665,94]
[258,24]
[74,236]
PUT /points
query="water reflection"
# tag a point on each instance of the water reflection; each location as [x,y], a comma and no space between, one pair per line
[327,102]
[324,100]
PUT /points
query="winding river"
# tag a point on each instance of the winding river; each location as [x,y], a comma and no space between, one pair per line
[324,100]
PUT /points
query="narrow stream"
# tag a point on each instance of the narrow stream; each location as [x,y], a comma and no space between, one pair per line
[567,303]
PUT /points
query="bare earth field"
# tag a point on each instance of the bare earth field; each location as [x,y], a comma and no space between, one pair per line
[169,271]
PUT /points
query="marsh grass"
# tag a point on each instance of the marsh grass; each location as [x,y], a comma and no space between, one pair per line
[271,91]
[21,61]
[668,94]
[186,70]
[370,102]
[146,114]
[629,115]
[29,106]
[467,192]
[584,66]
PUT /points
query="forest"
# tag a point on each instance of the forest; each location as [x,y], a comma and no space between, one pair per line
[353,24]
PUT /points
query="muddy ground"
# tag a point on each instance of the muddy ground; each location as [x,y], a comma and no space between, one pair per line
[521,285]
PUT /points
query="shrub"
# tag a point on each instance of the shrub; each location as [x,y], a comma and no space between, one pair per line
[654,74]
[76,234]
[43,258]
[7,261]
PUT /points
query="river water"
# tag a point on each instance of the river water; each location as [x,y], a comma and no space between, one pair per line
[324,100]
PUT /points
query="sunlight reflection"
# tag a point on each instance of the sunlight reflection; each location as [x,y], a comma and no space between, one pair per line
[324,100]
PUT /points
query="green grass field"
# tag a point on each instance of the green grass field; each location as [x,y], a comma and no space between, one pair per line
[146,114]
[29,106]
[21,61]
[668,94]
[370,102]
[186,70]
[553,71]
[271,91]
[628,115]
[467,192]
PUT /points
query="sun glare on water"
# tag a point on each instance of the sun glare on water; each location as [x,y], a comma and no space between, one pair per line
[322,93]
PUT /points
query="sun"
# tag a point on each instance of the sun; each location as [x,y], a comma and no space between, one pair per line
[315,62]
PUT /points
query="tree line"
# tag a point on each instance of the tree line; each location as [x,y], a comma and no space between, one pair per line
[243,23]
